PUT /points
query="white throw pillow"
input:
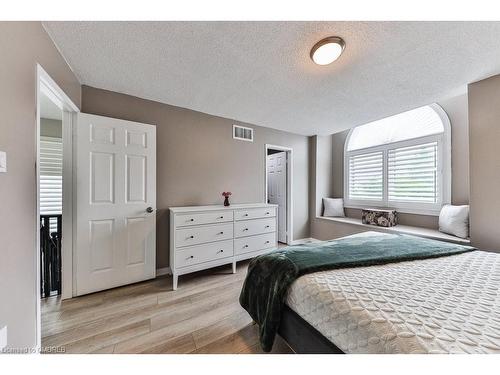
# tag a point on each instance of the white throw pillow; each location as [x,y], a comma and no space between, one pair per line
[333,207]
[454,220]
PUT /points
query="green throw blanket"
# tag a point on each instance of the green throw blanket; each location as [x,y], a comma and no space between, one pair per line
[269,276]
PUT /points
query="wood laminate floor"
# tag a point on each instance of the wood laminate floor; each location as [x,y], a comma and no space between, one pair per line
[202,316]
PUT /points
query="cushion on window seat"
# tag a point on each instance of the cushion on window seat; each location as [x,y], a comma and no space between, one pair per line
[454,220]
[333,207]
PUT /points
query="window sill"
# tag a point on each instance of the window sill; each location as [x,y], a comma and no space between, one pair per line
[405,229]
[414,211]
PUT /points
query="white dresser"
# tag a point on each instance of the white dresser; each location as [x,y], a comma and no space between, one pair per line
[202,237]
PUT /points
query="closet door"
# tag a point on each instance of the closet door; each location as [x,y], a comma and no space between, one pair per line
[115,202]
[276,189]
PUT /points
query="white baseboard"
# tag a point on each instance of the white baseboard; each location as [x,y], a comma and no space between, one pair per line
[163,271]
[301,241]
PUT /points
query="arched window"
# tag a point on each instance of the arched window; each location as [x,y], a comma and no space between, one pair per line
[401,162]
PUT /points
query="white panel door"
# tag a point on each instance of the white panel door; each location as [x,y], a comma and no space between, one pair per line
[276,189]
[115,203]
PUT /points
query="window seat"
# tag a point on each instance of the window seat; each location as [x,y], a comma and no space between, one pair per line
[406,229]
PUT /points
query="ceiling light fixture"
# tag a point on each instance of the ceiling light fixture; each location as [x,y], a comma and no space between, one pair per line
[327,50]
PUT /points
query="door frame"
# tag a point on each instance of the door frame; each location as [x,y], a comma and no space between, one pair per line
[46,85]
[289,186]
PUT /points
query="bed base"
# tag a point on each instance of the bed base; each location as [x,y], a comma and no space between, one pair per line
[302,337]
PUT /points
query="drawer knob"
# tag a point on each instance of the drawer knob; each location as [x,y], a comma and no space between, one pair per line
[267,226]
[245,229]
[191,220]
[220,251]
[191,257]
[267,213]
[267,241]
[221,217]
[191,236]
[245,215]
[245,246]
[221,232]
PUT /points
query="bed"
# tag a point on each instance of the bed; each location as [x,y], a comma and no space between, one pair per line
[445,304]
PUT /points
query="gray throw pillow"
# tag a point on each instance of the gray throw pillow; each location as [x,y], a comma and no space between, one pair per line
[333,207]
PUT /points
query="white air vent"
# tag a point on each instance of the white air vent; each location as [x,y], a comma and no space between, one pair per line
[242,133]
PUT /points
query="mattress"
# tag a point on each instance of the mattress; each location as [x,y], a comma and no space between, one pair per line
[449,304]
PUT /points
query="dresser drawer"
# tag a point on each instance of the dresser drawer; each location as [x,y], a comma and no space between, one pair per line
[210,217]
[254,213]
[253,227]
[209,233]
[192,255]
[255,243]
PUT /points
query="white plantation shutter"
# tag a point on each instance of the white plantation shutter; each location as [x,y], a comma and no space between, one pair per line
[402,162]
[366,176]
[412,173]
[51,158]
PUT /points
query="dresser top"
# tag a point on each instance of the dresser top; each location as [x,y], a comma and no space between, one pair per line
[217,207]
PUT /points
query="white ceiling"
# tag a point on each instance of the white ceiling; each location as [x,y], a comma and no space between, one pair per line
[48,109]
[261,73]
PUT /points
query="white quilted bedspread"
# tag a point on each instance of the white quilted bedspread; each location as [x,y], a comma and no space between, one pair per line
[443,305]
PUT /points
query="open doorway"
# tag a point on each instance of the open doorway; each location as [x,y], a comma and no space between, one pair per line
[50,193]
[54,208]
[278,188]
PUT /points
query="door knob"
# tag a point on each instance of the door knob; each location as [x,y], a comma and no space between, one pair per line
[149,210]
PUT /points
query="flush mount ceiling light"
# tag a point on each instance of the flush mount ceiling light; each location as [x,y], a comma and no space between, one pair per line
[327,50]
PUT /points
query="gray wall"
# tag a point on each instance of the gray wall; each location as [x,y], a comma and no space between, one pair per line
[457,110]
[197,158]
[24,44]
[324,178]
[484,134]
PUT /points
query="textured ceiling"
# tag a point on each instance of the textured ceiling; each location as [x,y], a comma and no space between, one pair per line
[261,73]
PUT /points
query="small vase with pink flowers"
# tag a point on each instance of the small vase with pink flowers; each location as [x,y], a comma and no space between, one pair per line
[226,195]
